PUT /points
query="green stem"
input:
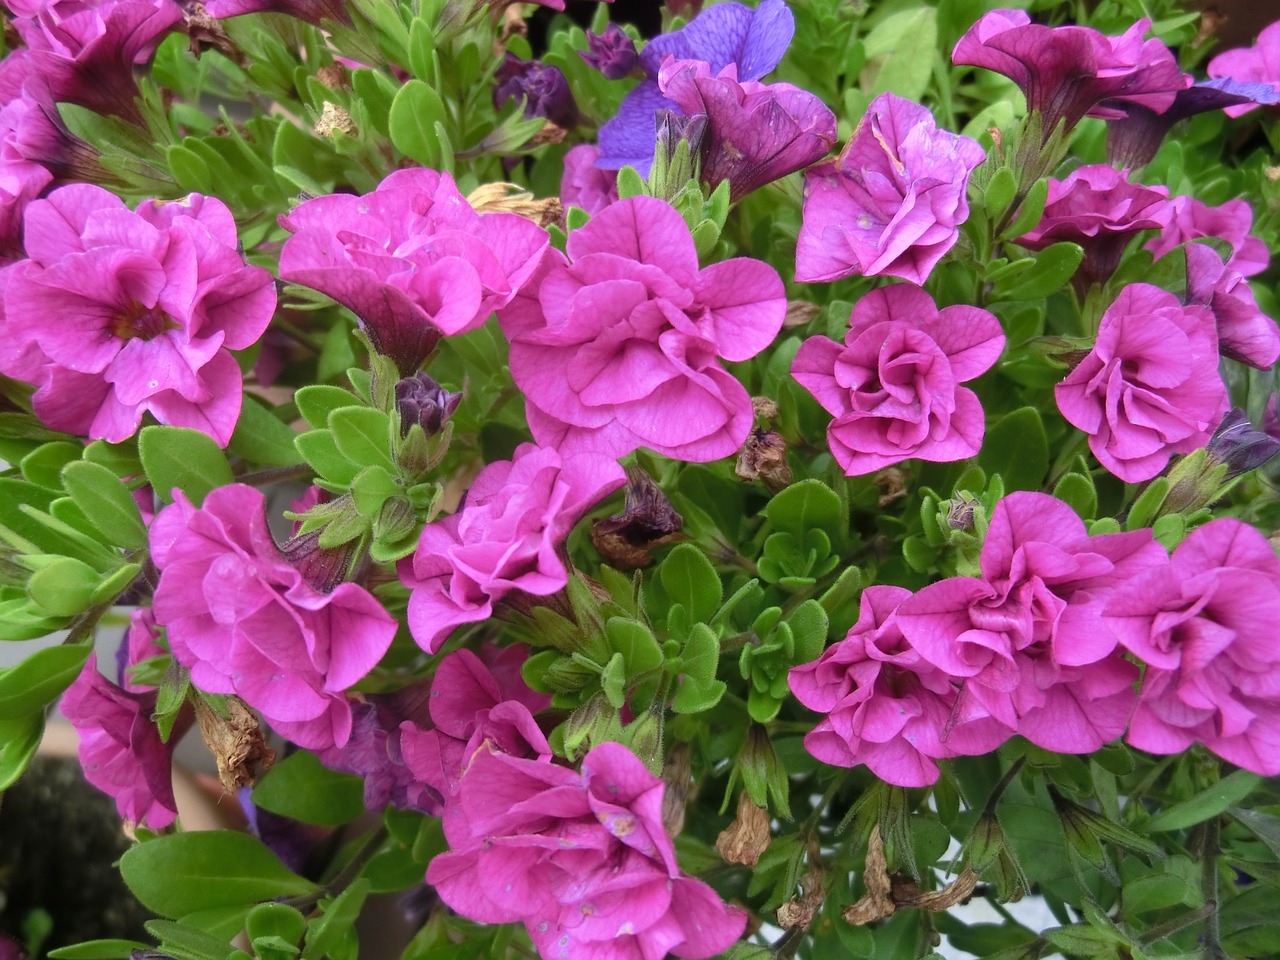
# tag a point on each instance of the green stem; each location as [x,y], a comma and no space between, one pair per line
[260,478]
[1209,844]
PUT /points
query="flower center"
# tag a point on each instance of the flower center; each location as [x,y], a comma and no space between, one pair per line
[137,322]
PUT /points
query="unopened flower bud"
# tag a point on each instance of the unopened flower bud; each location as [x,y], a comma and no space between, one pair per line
[1239,446]
[675,160]
[677,776]
[420,400]
[1195,481]
[748,836]
[395,520]
[545,89]
[321,567]
[960,512]
[625,540]
[613,53]
[644,736]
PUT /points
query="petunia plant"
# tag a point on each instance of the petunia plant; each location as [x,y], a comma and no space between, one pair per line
[779,479]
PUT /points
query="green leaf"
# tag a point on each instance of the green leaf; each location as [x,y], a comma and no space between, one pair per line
[630,183]
[808,624]
[1264,826]
[301,787]
[316,401]
[1030,212]
[1053,267]
[107,502]
[1016,448]
[695,697]
[1000,192]
[636,643]
[1210,802]
[338,917]
[690,580]
[614,681]
[701,654]
[63,588]
[362,435]
[908,41]
[19,740]
[321,451]
[412,120]
[44,464]
[36,682]
[186,940]
[261,438]
[1143,510]
[1077,491]
[115,583]
[275,920]
[807,505]
[183,873]
[186,459]
[98,950]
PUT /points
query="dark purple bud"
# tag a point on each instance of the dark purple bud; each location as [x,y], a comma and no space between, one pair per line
[11,949]
[1239,446]
[421,400]
[613,53]
[545,89]
[647,521]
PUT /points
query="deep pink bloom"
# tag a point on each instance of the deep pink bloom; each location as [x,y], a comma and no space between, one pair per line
[891,203]
[472,709]
[120,748]
[756,133]
[1027,638]
[1150,387]
[244,621]
[1258,64]
[1245,333]
[412,260]
[1231,222]
[584,184]
[141,641]
[505,537]
[116,314]
[1205,626]
[21,181]
[894,387]
[581,859]
[1097,207]
[86,49]
[1068,73]
[32,131]
[313,11]
[885,705]
[620,348]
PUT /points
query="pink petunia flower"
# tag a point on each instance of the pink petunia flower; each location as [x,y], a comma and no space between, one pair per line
[894,387]
[116,313]
[885,705]
[120,747]
[244,621]
[584,184]
[1258,64]
[412,260]
[505,538]
[581,858]
[1027,638]
[1231,222]
[1097,207]
[1068,73]
[1245,333]
[619,348]
[891,204]
[1203,623]
[1150,387]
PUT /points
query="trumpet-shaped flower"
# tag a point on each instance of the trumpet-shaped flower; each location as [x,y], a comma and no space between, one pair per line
[1257,64]
[1245,333]
[1191,219]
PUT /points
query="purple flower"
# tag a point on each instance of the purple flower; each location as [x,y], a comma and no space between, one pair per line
[755,133]
[120,748]
[753,39]
[116,314]
[1245,333]
[885,706]
[1239,446]
[544,89]
[244,621]
[1097,207]
[1149,388]
[891,203]
[582,859]
[86,49]
[505,538]
[1257,64]
[420,400]
[1027,639]
[894,387]
[1190,220]
[620,348]
[1203,623]
[613,53]
[584,184]
[411,259]
[313,11]
[1068,73]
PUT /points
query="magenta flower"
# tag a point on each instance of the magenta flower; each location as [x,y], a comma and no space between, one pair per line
[473,709]
[1150,387]
[141,641]
[1097,207]
[1245,333]
[505,537]
[885,706]
[32,131]
[1027,638]
[1068,73]
[894,387]
[584,184]
[582,859]
[891,203]
[313,11]
[755,133]
[1257,64]
[244,621]
[116,314]
[1203,623]
[120,748]
[21,181]
[613,53]
[411,259]
[1191,220]
[86,49]
[619,349]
